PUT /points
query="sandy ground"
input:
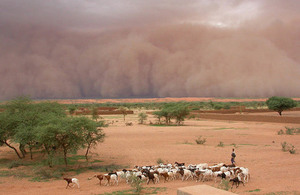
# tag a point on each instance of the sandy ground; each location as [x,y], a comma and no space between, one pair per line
[258,147]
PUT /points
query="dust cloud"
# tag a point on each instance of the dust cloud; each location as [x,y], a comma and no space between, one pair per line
[118,49]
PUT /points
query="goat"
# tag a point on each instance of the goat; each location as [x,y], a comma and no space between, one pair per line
[185,174]
[165,175]
[151,176]
[111,176]
[179,164]
[198,174]
[72,180]
[245,173]
[100,177]
[207,173]
[237,180]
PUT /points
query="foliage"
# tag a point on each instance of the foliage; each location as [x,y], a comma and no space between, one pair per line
[200,140]
[46,128]
[256,190]
[15,163]
[224,185]
[123,111]
[149,190]
[292,150]
[221,144]
[136,184]
[288,147]
[142,117]
[280,132]
[178,111]
[280,104]
[95,114]
[159,161]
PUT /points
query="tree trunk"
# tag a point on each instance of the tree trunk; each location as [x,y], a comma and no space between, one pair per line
[87,151]
[280,112]
[22,149]
[49,156]
[65,157]
[30,150]
[5,142]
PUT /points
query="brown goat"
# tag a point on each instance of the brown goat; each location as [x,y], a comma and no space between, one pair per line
[71,180]
[165,175]
[100,177]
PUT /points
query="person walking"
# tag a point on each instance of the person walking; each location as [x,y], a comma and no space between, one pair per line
[233,155]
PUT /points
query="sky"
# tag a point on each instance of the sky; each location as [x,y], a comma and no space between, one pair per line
[154,48]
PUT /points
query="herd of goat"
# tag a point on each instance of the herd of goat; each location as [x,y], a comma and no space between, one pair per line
[168,172]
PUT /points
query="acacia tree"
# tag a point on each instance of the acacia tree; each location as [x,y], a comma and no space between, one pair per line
[14,115]
[179,112]
[173,110]
[142,116]
[280,104]
[123,111]
[7,133]
[46,126]
[92,134]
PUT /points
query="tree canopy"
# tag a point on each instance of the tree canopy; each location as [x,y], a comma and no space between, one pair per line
[173,110]
[280,104]
[46,128]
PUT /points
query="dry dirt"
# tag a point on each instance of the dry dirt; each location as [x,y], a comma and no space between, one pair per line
[258,147]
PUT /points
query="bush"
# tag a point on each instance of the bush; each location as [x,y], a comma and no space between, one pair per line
[288,147]
[284,146]
[199,140]
[221,144]
[159,161]
[292,150]
[280,132]
[224,185]
[289,131]
[136,184]
[14,164]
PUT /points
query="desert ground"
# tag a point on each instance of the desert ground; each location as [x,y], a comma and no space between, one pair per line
[257,145]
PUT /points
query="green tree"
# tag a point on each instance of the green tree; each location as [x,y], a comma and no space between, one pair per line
[91,132]
[179,112]
[280,104]
[158,115]
[95,114]
[142,116]
[7,132]
[123,111]
[12,118]
[72,109]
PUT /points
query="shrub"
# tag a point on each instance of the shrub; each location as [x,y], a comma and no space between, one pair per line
[288,147]
[289,131]
[159,161]
[221,144]
[14,164]
[136,184]
[280,132]
[292,150]
[199,140]
[224,185]
[284,146]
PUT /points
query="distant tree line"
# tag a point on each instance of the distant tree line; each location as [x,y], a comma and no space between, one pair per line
[45,127]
